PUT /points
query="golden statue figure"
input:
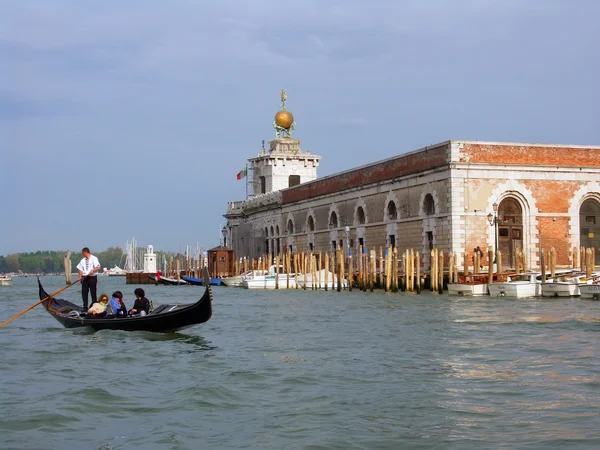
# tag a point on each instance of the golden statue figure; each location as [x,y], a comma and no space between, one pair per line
[283,98]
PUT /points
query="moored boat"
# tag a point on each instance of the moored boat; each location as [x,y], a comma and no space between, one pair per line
[521,285]
[271,281]
[591,290]
[322,279]
[238,280]
[473,284]
[200,282]
[166,280]
[565,285]
[164,318]
[5,280]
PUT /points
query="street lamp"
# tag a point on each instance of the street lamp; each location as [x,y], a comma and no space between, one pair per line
[224,233]
[493,220]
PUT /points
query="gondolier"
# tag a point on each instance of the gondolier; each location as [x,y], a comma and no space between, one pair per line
[88,267]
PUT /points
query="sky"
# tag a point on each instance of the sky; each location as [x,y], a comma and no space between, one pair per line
[130,119]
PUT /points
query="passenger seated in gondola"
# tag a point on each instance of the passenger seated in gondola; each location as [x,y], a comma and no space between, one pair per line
[141,307]
[116,307]
[98,309]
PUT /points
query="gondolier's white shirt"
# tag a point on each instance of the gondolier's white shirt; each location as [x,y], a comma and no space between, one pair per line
[87,264]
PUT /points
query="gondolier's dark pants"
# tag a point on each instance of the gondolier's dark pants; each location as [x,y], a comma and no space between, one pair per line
[88,285]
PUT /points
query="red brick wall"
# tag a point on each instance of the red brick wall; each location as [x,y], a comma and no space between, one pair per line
[403,165]
[529,155]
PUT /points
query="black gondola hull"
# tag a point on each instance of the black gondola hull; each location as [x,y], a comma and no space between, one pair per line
[166,318]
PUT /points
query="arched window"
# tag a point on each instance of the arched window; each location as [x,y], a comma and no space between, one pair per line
[429,205]
[360,215]
[333,220]
[272,232]
[290,227]
[392,211]
[277,230]
[266,232]
[311,223]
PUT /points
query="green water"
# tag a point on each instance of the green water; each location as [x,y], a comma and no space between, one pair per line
[305,370]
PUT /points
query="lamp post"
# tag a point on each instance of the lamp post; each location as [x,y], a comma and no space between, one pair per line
[493,220]
[224,233]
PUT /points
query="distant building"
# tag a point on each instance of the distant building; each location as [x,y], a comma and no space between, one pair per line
[438,196]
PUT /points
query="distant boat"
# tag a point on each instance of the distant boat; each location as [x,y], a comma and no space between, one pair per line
[199,282]
[166,280]
[116,272]
[5,280]
[271,279]
[238,280]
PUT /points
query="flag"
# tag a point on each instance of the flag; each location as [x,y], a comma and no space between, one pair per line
[242,173]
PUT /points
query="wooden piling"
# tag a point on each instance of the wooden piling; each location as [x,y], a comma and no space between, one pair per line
[350,272]
[440,269]
[388,269]
[582,259]
[490,266]
[341,270]
[395,270]
[418,269]
[589,264]
[542,265]
[456,268]
[552,262]
[277,271]
[433,271]
[68,268]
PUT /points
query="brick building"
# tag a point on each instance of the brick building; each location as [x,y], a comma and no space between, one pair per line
[438,196]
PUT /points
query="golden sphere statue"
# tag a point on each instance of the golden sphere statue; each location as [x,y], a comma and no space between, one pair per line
[284,119]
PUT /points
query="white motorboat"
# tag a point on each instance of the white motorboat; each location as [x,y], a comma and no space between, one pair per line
[319,280]
[5,280]
[564,285]
[520,285]
[270,281]
[116,272]
[238,281]
[591,290]
[470,285]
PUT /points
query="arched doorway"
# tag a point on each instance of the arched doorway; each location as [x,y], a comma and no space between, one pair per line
[510,230]
[589,224]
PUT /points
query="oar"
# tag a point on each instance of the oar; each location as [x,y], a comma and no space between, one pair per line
[41,301]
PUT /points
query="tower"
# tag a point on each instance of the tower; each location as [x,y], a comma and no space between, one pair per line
[284,164]
[149,260]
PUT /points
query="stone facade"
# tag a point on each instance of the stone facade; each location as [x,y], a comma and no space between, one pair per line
[439,196]
[284,165]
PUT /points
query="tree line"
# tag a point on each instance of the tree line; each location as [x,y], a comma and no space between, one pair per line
[49,261]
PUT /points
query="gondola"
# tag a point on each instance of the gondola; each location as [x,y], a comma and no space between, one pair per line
[164,318]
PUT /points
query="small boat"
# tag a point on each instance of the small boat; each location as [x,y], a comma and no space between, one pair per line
[269,281]
[474,284]
[520,285]
[591,290]
[5,280]
[166,280]
[198,281]
[116,272]
[164,318]
[319,280]
[238,281]
[565,285]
